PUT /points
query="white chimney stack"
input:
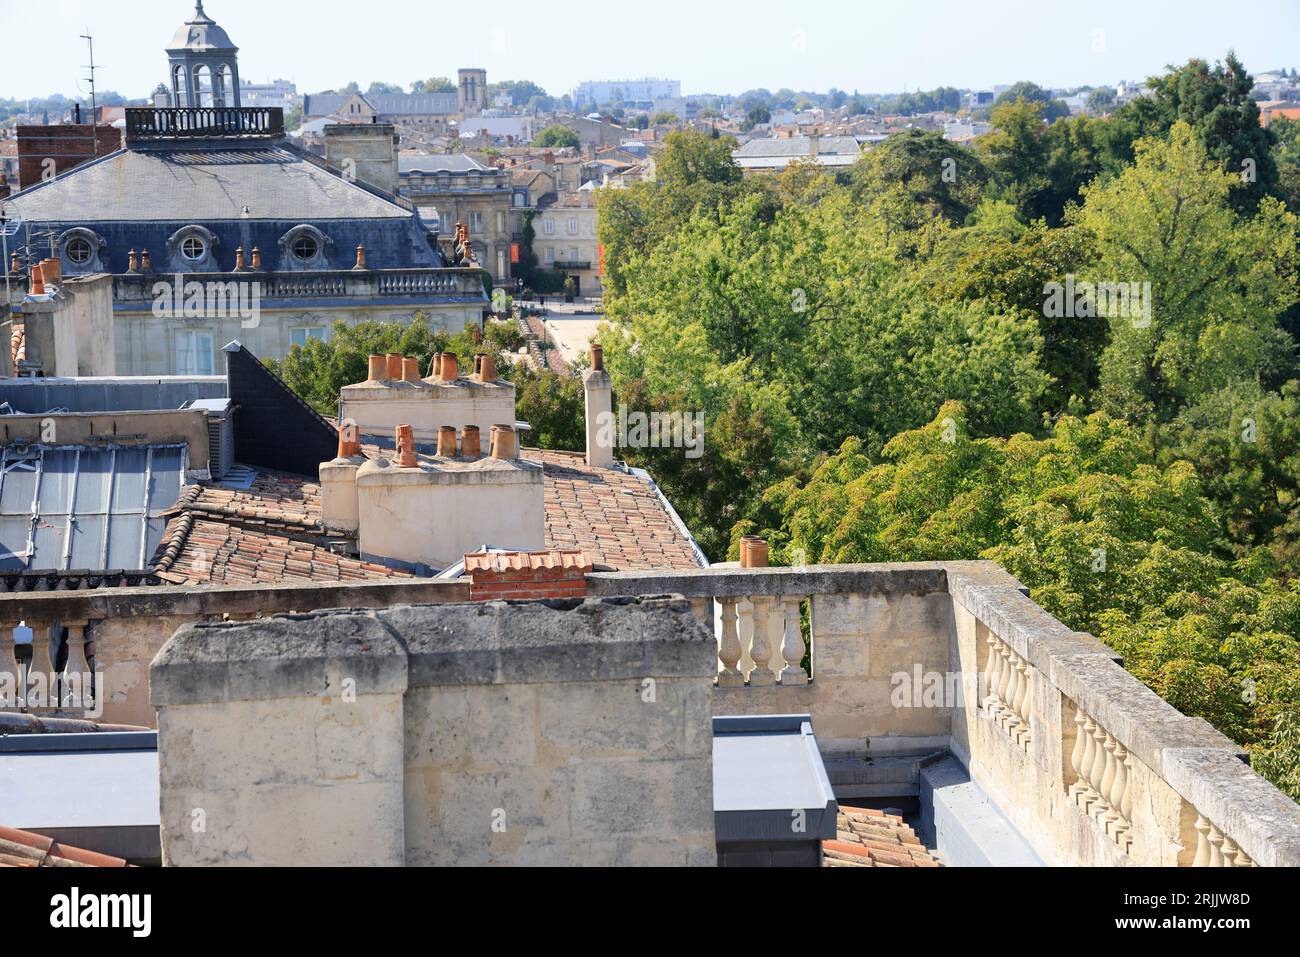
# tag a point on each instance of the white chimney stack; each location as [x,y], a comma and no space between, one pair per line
[600,407]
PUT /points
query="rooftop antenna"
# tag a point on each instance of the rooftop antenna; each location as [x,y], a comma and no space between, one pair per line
[90,42]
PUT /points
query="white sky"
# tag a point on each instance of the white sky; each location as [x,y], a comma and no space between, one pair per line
[870,45]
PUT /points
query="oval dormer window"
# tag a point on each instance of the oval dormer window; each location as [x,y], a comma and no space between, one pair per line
[78,251]
[193,248]
[305,247]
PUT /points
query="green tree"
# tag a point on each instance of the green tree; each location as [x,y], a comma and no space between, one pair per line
[434,84]
[556,136]
[1217,283]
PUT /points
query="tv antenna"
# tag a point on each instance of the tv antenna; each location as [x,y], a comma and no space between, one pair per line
[90,42]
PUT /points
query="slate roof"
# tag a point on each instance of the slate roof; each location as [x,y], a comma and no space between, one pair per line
[434,162]
[196,186]
[797,146]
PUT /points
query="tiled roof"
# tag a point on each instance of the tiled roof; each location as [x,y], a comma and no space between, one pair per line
[527,566]
[272,532]
[870,838]
[616,517]
[25,849]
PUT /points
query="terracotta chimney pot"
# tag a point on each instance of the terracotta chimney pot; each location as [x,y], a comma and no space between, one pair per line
[410,368]
[257,258]
[394,367]
[239,257]
[597,356]
[447,441]
[132,261]
[406,448]
[378,369]
[449,370]
[38,281]
[753,552]
[437,367]
[487,370]
[503,441]
[470,445]
[361,258]
[52,270]
[146,264]
[349,441]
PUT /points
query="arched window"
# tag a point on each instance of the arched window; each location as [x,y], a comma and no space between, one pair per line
[202,85]
[180,89]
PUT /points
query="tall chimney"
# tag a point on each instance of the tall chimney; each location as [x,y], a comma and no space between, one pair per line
[600,406]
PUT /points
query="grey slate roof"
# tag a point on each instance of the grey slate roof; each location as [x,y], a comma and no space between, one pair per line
[798,146]
[432,163]
[386,104]
[200,186]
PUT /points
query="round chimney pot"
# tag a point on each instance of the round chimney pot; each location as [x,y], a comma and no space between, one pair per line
[437,366]
[447,441]
[406,448]
[470,443]
[503,442]
[394,366]
[38,281]
[753,552]
[449,370]
[597,356]
[487,370]
[410,369]
[378,369]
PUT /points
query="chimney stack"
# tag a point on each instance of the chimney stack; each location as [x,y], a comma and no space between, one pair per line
[600,406]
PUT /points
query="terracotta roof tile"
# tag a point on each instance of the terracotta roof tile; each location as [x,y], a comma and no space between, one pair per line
[25,849]
[867,837]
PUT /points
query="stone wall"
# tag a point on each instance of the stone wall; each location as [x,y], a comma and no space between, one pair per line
[490,733]
[130,625]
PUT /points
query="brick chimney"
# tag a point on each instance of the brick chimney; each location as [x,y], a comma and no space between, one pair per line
[600,405]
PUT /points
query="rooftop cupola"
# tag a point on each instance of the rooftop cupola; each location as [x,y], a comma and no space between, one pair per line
[203,64]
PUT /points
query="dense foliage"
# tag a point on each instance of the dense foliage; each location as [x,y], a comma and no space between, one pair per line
[1067,348]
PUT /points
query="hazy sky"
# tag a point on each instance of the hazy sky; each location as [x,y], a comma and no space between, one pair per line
[872,46]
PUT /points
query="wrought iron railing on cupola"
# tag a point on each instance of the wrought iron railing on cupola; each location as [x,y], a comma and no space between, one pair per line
[210,122]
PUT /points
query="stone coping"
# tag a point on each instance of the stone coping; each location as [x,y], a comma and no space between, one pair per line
[156,601]
[477,643]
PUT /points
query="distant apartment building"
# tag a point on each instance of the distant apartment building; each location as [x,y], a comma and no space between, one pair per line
[281,93]
[565,239]
[594,93]
[455,188]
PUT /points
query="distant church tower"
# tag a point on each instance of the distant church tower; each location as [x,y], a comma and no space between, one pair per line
[204,68]
[473,91]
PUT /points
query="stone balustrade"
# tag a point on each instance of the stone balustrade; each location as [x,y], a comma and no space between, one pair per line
[1089,765]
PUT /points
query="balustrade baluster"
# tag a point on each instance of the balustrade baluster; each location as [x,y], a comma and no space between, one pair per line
[1097,802]
[760,649]
[988,696]
[1202,858]
[1216,846]
[1077,756]
[1008,717]
[729,650]
[792,647]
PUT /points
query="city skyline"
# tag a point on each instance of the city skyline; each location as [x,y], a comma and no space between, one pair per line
[881,48]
